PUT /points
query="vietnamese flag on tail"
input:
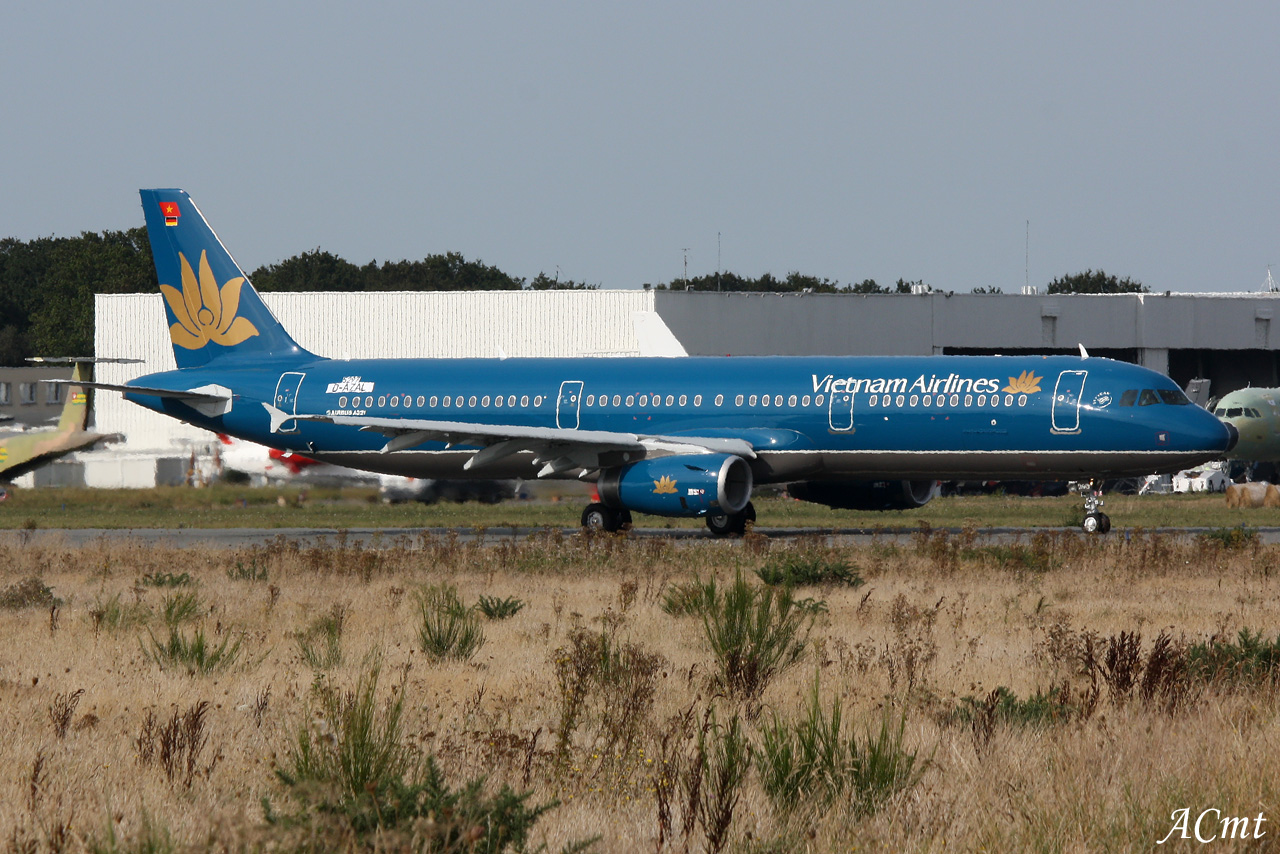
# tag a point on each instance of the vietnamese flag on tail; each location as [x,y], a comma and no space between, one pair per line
[171,212]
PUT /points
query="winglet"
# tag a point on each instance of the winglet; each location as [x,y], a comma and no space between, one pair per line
[1084,354]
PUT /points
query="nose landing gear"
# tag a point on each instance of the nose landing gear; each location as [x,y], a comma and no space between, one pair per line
[1095,521]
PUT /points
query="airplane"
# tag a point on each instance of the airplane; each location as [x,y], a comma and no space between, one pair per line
[28,450]
[677,437]
[1255,413]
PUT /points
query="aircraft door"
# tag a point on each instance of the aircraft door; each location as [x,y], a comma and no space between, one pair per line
[568,404]
[1067,395]
[287,398]
[840,412]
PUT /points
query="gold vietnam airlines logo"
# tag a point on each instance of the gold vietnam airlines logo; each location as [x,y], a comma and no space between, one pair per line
[206,312]
[1025,383]
[665,486]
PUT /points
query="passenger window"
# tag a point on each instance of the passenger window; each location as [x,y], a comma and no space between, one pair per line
[1148,398]
[457,401]
[804,401]
[791,401]
[777,400]
[1008,400]
[670,399]
[968,400]
[524,400]
[928,400]
[485,402]
[719,400]
[511,400]
[872,401]
[737,401]
[1022,400]
[604,400]
[1129,397]
[447,401]
[764,401]
[617,400]
[342,402]
[899,401]
[697,400]
[955,400]
[591,400]
[631,400]
[684,398]
[753,400]
[395,401]
[382,400]
[422,401]
[886,400]
[434,401]
[537,401]
[644,400]
[471,401]
[817,401]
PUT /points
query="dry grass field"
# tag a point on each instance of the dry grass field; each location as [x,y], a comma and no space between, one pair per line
[947,694]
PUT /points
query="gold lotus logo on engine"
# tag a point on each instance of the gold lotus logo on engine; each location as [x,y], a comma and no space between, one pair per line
[1025,383]
[665,486]
[204,311]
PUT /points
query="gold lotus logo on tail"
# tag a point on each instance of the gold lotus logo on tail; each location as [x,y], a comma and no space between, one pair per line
[1025,383]
[204,311]
[665,486]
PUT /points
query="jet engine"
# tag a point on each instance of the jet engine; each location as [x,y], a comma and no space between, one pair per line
[686,485]
[866,494]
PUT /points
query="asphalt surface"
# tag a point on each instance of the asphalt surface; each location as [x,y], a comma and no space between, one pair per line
[236,538]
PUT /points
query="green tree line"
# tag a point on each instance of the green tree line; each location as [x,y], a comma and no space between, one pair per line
[47,284]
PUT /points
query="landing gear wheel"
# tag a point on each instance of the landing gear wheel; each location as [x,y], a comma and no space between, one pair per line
[598,517]
[1095,521]
[732,524]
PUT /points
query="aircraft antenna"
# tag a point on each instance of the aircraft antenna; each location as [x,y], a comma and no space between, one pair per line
[685,250]
[1270,286]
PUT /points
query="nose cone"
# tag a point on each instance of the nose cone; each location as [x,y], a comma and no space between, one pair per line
[1233,436]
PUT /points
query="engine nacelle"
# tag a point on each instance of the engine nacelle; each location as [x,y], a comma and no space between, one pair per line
[687,485]
[866,494]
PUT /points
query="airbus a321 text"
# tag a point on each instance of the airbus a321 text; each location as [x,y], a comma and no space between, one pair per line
[685,436]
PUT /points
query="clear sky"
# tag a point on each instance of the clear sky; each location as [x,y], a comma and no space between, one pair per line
[845,140]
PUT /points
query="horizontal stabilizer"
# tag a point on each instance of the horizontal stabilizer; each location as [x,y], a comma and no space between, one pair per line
[192,396]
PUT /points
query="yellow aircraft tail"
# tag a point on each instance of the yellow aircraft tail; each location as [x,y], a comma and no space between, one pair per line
[76,408]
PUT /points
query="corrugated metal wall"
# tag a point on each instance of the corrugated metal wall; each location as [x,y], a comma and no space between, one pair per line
[366,325]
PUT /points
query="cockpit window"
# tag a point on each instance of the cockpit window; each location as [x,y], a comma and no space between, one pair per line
[1173,397]
[1148,398]
[1252,413]
[1235,412]
[1220,412]
[1129,397]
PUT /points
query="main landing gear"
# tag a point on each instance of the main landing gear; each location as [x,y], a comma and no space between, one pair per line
[1095,521]
[600,517]
[732,524]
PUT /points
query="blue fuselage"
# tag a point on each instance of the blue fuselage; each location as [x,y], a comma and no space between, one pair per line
[809,418]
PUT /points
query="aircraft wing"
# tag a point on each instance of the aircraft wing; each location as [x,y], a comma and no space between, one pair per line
[559,450]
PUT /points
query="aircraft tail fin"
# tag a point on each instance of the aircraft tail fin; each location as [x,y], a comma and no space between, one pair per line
[75,409]
[212,309]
